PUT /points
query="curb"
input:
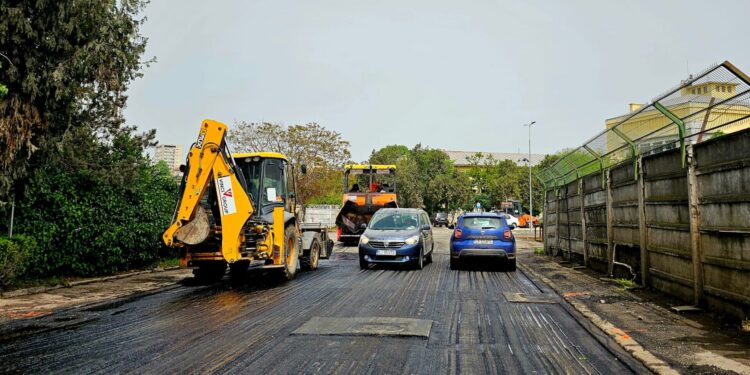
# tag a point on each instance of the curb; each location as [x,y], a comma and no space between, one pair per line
[42,289]
[624,340]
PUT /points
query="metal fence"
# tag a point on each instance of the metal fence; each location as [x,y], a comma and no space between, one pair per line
[705,105]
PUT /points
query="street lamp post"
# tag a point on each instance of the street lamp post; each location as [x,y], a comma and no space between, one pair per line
[531,200]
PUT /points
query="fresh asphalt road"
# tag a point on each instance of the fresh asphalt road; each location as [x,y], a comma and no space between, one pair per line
[477,327]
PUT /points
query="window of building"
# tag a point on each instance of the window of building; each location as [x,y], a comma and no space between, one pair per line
[705,89]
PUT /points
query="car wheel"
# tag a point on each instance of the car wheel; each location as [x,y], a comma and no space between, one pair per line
[363,264]
[429,258]
[420,261]
[511,265]
[455,264]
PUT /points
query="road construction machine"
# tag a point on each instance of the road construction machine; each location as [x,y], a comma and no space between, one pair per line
[240,210]
[367,188]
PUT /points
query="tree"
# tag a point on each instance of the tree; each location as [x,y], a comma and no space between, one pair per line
[72,62]
[323,151]
[388,154]
[93,201]
[424,177]
[408,188]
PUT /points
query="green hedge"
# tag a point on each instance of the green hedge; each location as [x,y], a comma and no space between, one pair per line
[14,257]
[86,225]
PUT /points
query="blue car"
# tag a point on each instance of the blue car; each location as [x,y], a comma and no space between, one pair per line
[482,236]
[397,236]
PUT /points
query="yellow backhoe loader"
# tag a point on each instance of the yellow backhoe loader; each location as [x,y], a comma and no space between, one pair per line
[239,210]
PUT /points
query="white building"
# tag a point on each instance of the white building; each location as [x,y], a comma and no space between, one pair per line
[170,154]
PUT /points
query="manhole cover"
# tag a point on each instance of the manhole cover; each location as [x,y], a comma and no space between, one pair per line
[365,326]
[523,298]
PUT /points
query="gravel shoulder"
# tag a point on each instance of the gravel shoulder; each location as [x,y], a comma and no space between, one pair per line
[694,343]
[23,306]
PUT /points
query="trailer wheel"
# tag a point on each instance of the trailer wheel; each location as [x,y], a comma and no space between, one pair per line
[309,262]
[290,254]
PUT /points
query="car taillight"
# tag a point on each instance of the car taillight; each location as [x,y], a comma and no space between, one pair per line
[507,234]
[458,233]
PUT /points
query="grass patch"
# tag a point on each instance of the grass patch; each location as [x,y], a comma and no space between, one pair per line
[625,283]
[167,263]
[539,251]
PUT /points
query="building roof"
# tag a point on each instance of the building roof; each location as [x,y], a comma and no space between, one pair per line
[684,99]
[460,158]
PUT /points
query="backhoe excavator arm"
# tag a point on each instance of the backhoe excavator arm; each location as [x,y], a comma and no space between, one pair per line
[209,160]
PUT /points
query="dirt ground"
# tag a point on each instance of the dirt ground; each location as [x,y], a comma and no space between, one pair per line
[693,343]
[46,303]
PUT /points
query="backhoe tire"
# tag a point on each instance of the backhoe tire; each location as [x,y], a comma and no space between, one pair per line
[291,258]
[309,262]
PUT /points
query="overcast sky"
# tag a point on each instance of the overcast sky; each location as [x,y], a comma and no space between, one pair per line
[457,75]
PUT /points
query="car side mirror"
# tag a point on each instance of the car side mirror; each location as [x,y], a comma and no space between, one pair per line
[183,168]
[426,227]
[303,168]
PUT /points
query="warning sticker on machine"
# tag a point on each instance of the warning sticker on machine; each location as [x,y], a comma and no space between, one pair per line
[226,195]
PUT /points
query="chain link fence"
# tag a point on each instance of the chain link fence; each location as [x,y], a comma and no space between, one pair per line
[709,104]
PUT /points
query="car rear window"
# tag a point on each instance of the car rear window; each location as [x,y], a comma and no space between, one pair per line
[482,222]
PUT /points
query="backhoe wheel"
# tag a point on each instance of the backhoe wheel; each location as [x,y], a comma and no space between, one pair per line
[310,261]
[290,254]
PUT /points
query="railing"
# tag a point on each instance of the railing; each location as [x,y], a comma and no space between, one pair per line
[708,104]
[662,196]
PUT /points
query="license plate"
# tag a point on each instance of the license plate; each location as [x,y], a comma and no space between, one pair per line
[386,252]
[483,242]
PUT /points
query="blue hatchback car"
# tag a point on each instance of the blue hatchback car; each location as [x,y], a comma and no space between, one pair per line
[482,236]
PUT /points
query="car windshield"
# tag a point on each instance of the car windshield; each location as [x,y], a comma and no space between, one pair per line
[395,221]
[482,222]
[441,215]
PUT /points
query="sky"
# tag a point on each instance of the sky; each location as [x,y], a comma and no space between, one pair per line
[456,75]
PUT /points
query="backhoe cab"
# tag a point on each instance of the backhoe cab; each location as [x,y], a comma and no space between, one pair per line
[238,210]
[367,188]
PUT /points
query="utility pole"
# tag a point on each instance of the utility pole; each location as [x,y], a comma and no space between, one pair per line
[531,200]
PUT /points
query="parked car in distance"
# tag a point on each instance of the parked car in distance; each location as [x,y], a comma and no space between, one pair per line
[482,236]
[397,236]
[510,219]
[440,219]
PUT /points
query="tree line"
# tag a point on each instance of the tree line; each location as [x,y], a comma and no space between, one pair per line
[84,197]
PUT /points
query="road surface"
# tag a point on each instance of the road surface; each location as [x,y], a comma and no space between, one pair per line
[478,321]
